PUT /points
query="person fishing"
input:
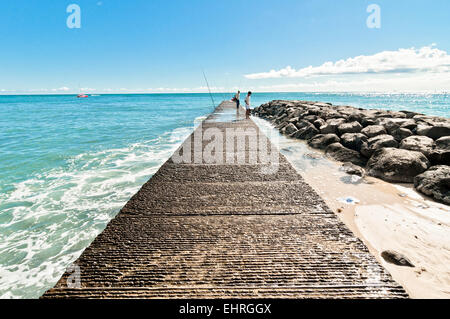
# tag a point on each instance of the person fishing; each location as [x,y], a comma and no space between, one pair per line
[247,105]
[237,99]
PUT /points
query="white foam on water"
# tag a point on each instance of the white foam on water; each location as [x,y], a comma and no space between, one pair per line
[48,220]
[297,153]
[199,119]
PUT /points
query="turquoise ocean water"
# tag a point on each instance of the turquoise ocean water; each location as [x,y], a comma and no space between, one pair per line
[68,165]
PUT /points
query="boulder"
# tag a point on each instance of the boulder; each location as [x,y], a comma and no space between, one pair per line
[306,133]
[321,141]
[302,124]
[297,113]
[327,129]
[353,169]
[409,114]
[401,133]
[356,117]
[352,127]
[443,143]
[410,125]
[392,124]
[365,150]
[281,126]
[368,121]
[439,157]
[396,258]
[435,182]
[320,104]
[310,118]
[343,154]
[397,114]
[418,143]
[293,120]
[397,165]
[378,142]
[281,118]
[374,130]
[438,131]
[429,120]
[332,125]
[313,110]
[319,123]
[353,141]
[434,131]
[331,114]
[336,121]
[422,130]
[290,128]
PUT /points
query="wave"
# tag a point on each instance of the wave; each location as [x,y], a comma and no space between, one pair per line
[48,220]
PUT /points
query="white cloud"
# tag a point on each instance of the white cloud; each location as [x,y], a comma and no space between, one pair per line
[61,89]
[426,59]
[405,70]
[424,82]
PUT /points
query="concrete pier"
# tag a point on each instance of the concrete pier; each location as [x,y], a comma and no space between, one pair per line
[209,230]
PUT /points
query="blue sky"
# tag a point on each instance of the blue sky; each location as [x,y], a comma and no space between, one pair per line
[162,46]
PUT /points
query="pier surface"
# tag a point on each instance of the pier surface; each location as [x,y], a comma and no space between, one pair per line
[209,230]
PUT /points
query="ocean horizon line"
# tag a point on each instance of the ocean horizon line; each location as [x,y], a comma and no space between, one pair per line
[232,92]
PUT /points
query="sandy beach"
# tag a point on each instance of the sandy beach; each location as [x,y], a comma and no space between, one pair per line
[384,216]
[394,217]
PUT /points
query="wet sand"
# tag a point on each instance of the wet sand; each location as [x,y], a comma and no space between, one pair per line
[385,216]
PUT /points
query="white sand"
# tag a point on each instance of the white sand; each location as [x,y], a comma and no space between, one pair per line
[392,217]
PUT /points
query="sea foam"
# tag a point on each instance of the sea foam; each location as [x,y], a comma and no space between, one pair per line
[48,220]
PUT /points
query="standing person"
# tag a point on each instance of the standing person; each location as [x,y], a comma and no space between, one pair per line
[247,105]
[237,99]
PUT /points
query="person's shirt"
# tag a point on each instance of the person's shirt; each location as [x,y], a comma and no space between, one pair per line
[247,100]
[237,96]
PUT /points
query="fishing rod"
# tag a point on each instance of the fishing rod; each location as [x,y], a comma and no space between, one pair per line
[210,94]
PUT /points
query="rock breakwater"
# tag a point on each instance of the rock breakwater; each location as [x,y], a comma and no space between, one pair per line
[396,146]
